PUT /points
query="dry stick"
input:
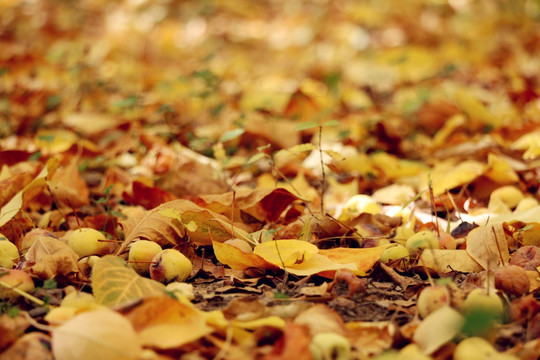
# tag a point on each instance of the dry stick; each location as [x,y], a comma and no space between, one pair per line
[497,243]
[23,293]
[232,211]
[323,185]
[433,210]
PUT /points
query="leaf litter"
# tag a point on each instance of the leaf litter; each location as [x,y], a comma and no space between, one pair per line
[289,152]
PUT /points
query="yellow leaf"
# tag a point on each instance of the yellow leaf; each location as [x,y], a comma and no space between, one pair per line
[55,141]
[101,334]
[437,329]
[288,252]
[448,175]
[444,261]
[319,264]
[500,170]
[271,321]
[237,259]
[113,283]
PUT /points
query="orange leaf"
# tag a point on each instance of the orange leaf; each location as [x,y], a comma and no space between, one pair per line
[364,258]
[166,323]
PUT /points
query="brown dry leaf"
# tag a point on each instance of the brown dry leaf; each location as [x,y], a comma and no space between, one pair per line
[12,207]
[101,334]
[444,261]
[34,346]
[487,246]
[238,260]
[192,174]
[261,203]
[49,257]
[293,344]
[171,221]
[67,187]
[364,258]
[165,323]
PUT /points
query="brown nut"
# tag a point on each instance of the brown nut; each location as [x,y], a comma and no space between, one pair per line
[512,279]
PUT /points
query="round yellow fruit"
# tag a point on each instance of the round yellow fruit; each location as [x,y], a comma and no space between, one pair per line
[424,239]
[141,253]
[431,299]
[170,265]
[88,241]
[9,254]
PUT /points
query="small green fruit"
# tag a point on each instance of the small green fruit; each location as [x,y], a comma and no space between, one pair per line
[9,254]
[479,300]
[394,253]
[170,265]
[88,241]
[141,253]
[424,239]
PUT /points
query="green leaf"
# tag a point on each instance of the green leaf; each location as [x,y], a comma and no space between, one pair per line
[306,125]
[302,148]
[232,134]
[114,283]
[256,158]
[50,284]
[330,123]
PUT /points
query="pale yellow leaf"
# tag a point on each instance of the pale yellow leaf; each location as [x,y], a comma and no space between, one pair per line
[288,252]
[488,246]
[101,334]
[444,261]
[437,329]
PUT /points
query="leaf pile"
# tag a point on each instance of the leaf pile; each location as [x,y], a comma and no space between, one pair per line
[323,166]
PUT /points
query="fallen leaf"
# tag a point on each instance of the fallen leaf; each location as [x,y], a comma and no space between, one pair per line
[286,252]
[320,319]
[261,203]
[293,344]
[114,283]
[487,245]
[11,208]
[171,221]
[437,329]
[370,338]
[238,260]
[444,261]
[101,334]
[363,258]
[67,187]
[165,323]
[49,257]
